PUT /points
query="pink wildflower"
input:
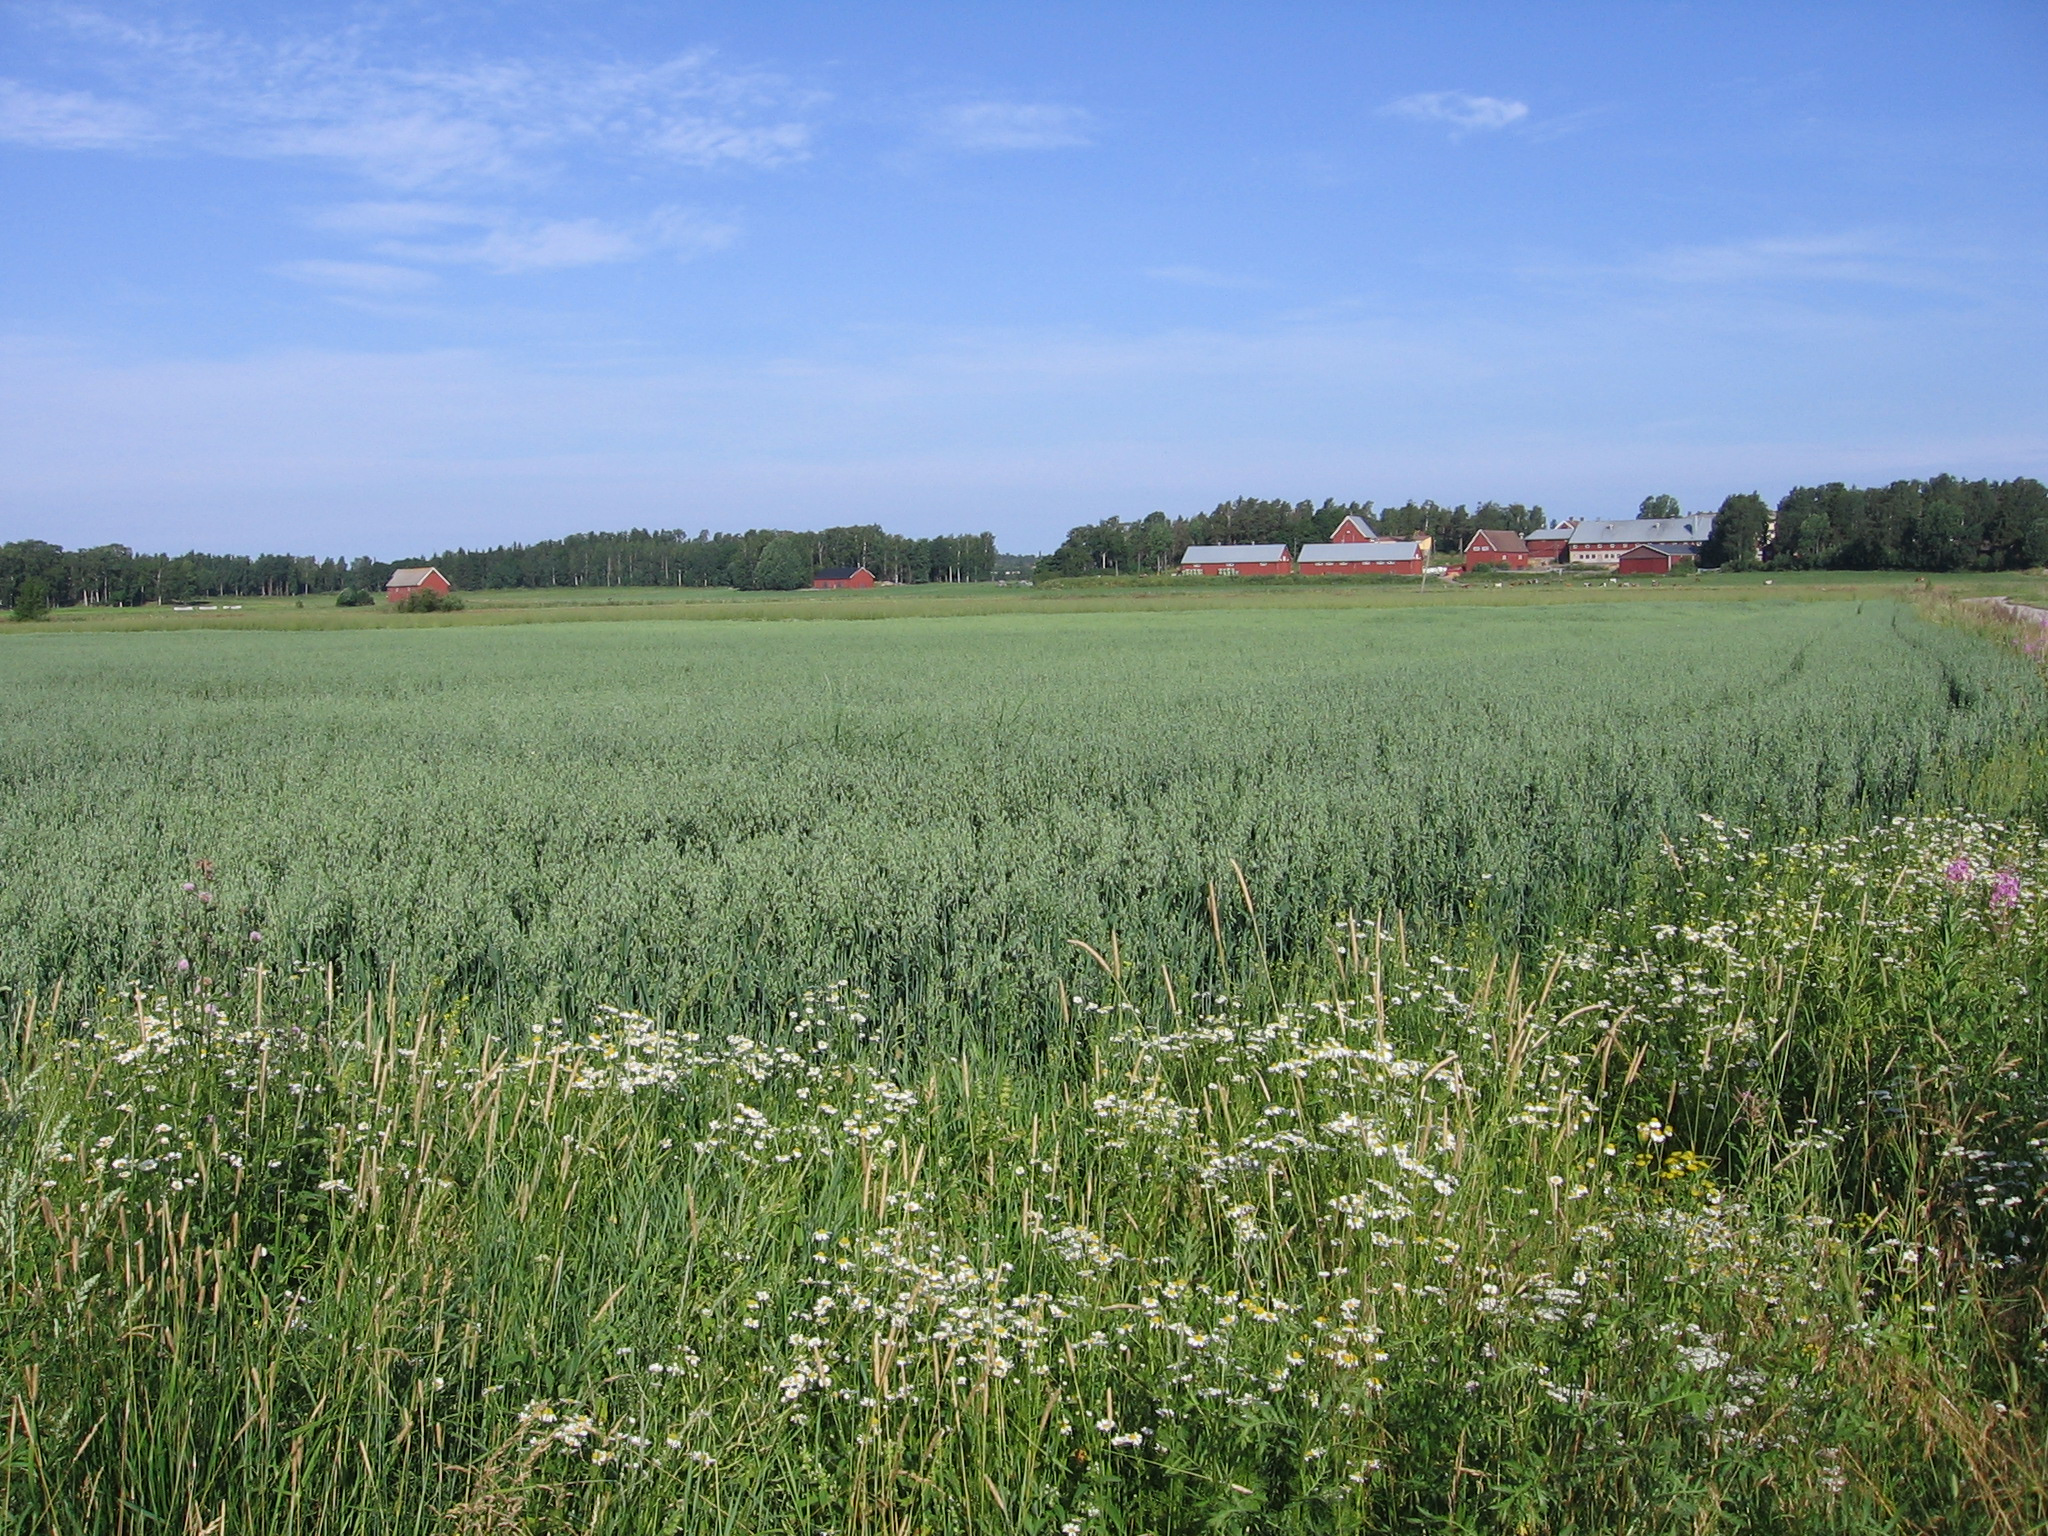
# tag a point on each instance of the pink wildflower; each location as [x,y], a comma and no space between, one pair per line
[1959,870]
[184,965]
[2005,890]
[255,936]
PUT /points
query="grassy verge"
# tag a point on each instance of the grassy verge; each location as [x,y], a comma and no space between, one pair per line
[1727,1215]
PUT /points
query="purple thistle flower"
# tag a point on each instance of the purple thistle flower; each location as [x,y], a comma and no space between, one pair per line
[190,886]
[255,936]
[2005,890]
[184,965]
[1959,870]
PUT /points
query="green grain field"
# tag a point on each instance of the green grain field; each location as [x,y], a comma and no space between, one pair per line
[669,814]
[1521,1067]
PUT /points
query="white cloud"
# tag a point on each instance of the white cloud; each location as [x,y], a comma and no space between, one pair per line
[502,241]
[69,119]
[707,142]
[1463,112]
[405,122]
[981,125]
[369,277]
[1807,258]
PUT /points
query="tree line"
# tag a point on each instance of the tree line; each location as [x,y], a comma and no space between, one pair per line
[113,575]
[1156,543]
[1941,524]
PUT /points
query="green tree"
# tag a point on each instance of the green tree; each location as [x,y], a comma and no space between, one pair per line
[1659,506]
[1740,528]
[31,600]
[784,565]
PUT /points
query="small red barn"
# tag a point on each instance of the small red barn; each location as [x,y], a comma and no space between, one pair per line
[1236,560]
[1652,559]
[1496,546]
[843,576]
[1374,557]
[415,578]
[1546,546]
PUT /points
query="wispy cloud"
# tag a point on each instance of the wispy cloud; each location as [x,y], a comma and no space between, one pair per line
[707,142]
[70,119]
[1459,110]
[1201,277]
[1851,257]
[501,241]
[989,125]
[376,278]
[408,123]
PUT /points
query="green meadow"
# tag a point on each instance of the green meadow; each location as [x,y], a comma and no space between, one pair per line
[1073,1060]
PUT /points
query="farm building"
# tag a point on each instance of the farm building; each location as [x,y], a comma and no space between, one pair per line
[1236,560]
[1602,543]
[1654,559]
[844,576]
[1375,557]
[1497,546]
[1355,530]
[1547,544]
[415,578]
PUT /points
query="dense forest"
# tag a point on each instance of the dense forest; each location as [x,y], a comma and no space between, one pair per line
[1942,524]
[1114,547]
[114,575]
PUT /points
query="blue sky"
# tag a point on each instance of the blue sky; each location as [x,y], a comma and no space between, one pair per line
[388,278]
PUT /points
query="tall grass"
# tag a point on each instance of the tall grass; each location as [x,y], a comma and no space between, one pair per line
[710,818]
[1727,1220]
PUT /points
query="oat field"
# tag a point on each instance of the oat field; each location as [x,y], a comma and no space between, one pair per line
[1557,1070]
[713,817]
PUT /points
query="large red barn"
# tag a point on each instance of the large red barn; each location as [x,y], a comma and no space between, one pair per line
[1372,557]
[1236,560]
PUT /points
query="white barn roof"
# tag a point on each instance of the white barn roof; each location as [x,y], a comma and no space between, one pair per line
[412,576]
[1380,552]
[1234,554]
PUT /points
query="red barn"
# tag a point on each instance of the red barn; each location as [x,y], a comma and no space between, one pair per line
[1373,557]
[1496,546]
[1236,560]
[844,576]
[1546,546]
[1355,530]
[415,578]
[1652,559]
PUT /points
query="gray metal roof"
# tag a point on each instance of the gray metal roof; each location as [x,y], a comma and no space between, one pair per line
[1646,530]
[412,576]
[1233,554]
[1379,552]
